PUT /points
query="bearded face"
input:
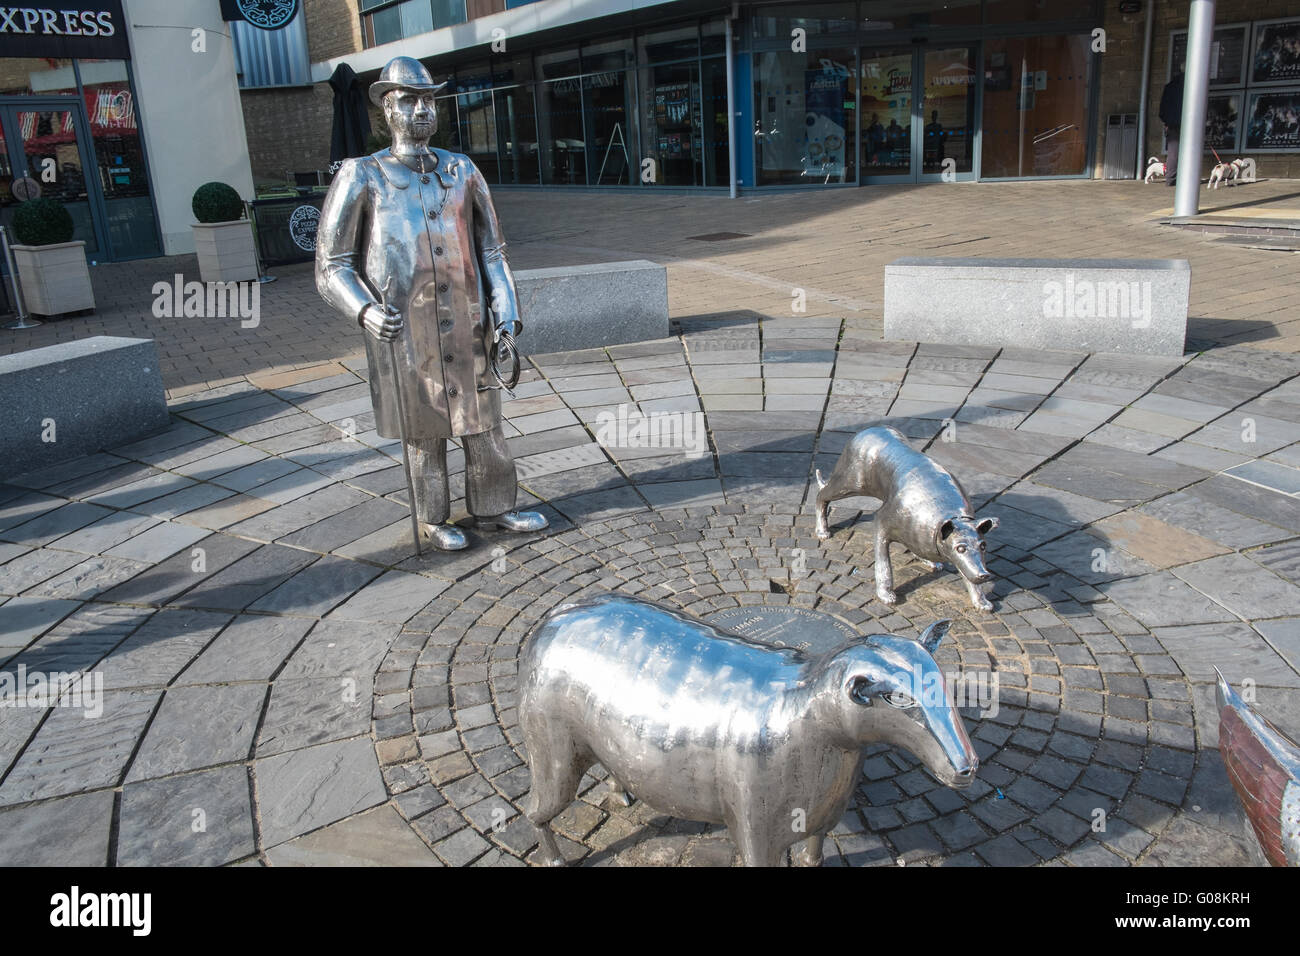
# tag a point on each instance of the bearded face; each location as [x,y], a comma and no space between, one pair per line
[411,114]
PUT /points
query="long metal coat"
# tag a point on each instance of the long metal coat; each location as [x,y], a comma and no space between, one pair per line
[430,247]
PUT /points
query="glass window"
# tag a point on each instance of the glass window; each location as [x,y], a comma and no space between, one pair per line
[119,158]
[385,26]
[559,63]
[804,130]
[517,135]
[1036,106]
[23,77]
[448,12]
[902,14]
[713,38]
[717,167]
[671,113]
[409,18]
[447,136]
[677,43]
[562,148]
[607,55]
[607,98]
[472,76]
[1017,11]
[478,132]
[512,69]
[816,18]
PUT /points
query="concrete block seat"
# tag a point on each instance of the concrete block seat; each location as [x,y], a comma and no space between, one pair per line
[68,400]
[590,306]
[1136,306]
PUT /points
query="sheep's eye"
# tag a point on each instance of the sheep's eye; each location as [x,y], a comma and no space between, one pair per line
[961,549]
[899,700]
[982,547]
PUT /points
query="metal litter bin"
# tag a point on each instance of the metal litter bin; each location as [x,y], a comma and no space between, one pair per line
[1120,160]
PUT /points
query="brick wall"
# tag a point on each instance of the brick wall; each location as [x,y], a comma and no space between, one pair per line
[1121,71]
[333,28]
[288,130]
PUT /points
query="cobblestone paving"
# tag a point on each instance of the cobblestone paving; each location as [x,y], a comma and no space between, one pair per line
[285,682]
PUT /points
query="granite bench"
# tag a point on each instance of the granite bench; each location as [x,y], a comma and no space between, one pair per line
[67,400]
[590,306]
[1087,305]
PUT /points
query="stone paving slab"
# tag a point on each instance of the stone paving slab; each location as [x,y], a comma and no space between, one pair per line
[280,632]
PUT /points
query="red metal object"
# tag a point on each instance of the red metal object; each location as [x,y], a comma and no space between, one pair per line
[1262,763]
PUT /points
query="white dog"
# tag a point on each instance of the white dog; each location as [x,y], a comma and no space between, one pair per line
[1156,168]
[1239,170]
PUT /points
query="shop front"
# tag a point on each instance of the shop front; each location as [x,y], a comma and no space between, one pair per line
[885,91]
[826,94]
[70,128]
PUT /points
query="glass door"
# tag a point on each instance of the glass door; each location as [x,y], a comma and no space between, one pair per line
[918,108]
[946,111]
[47,143]
[885,106]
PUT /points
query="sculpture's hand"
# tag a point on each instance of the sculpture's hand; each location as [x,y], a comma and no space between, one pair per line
[385,326]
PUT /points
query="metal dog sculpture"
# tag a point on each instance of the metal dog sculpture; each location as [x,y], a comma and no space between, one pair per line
[923,508]
[708,726]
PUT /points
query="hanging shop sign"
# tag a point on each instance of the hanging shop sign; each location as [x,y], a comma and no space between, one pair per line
[65,29]
[264,14]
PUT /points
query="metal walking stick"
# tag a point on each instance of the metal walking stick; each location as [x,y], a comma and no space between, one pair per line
[401,427]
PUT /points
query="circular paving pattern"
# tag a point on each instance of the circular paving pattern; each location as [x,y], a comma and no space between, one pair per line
[1072,735]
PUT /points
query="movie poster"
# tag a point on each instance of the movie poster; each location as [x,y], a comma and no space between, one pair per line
[1227,53]
[1222,122]
[1274,120]
[1275,54]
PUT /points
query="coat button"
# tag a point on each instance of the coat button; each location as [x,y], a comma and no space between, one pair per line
[432,214]
[451,391]
[442,287]
[425,180]
[437,250]
[450,359]
[445,323]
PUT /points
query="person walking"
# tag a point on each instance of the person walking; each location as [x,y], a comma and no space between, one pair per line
[1171,114]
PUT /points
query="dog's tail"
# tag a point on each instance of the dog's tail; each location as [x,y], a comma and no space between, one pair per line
[1153,159]
[821,482]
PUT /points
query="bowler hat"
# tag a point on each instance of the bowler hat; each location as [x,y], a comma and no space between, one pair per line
[403,73]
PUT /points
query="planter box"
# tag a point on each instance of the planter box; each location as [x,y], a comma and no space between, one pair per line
[226,251]
[55,279]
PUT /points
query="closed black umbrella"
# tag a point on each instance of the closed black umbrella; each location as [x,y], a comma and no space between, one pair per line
[351,115]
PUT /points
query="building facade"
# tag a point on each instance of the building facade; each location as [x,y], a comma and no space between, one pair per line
[92,113]
[613,93]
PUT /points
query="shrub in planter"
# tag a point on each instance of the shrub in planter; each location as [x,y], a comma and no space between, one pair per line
[42,222]
[52,268]
[223,238]
[217,202]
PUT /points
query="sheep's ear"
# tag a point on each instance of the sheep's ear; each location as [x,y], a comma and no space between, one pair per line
[933,634]
[985,525]
[946,529]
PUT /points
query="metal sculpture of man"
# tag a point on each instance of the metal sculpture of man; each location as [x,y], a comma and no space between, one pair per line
[409,248]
